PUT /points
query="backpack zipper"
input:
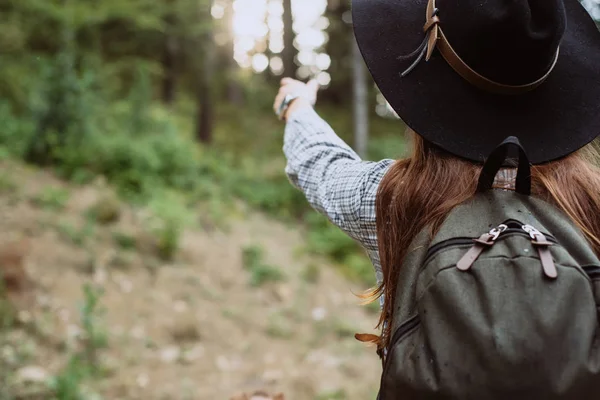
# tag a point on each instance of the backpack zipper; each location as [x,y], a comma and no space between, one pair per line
[486,240]
[465,241]
[402,331]
[541,242]
[543,247]
[405,328]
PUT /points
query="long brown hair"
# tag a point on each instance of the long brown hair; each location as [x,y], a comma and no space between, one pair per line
[420,191]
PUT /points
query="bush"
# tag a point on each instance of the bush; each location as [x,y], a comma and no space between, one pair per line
[72,125]
[142,166]
[260,272]
[53,198]
[83,364]
[15,133]
[327,240]
[168,223]
[78,129]
[393,146]
[124,240]
[106,210]
[274,195]
[62,111]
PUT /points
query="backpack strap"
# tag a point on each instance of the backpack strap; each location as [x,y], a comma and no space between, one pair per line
[497,159]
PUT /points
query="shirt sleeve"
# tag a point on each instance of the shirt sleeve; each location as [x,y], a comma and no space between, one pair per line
[335,180]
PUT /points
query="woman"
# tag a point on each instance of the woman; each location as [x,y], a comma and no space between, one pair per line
[463,78]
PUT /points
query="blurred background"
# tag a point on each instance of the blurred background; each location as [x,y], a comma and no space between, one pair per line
[152,246]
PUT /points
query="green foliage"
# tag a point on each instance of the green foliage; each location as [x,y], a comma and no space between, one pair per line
[157,158]
[274,195]
[327,240]
[334,395]
[67,384]
[106,210]
[7,318]
[125,241]
[7,184]
[150,163]
[163,160]
[95,336]
[60,112]
[260,273]
[79,92]
[140,101]
[311,273]
[391,146]
[170,218]
[52,197]
[77,236]
[15,133]
[69,117]
[83,365]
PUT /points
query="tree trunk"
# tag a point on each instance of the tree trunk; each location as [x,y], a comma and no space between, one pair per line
[169,69]
[289,51]
[361,102]
[205,101]
[205,115]
[205,119]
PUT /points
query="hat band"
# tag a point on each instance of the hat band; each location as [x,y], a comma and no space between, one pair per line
[436,38]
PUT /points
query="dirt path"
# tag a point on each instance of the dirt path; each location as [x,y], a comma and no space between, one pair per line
[194,328]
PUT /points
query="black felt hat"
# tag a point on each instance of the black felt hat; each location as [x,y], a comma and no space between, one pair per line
[466,74]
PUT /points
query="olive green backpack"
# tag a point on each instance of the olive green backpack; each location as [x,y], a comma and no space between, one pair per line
[501,304]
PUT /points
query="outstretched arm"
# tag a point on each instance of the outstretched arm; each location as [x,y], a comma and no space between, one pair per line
[334,179]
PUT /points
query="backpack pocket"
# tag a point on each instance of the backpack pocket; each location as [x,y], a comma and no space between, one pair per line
[405,350]
[532,334]
[402,332]
[503,326]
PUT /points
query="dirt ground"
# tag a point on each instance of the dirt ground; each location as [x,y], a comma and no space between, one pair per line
[192,328]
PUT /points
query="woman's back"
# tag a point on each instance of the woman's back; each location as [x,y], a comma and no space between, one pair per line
[501,316]
[526,69]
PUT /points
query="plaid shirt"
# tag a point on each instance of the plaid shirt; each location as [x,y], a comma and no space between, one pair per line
[335,180]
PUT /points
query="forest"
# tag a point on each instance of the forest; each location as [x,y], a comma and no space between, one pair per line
[153,247]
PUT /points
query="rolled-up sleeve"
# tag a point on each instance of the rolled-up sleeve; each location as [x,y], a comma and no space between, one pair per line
[335,180]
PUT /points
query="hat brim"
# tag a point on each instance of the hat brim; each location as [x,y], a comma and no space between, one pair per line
[556,119]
